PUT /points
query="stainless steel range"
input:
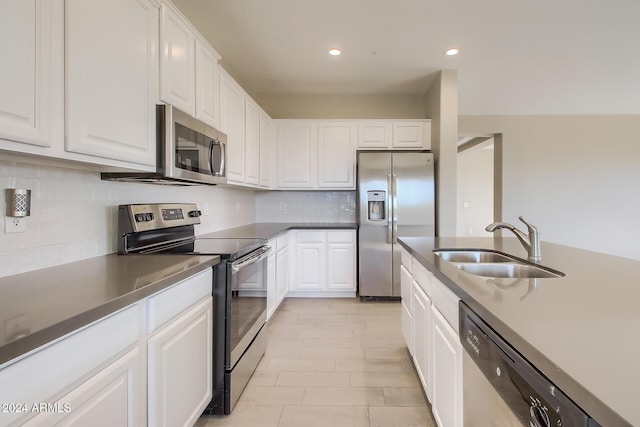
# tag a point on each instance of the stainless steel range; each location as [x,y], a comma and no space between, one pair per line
[239,288]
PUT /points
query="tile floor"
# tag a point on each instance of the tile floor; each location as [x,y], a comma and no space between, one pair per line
[332,362]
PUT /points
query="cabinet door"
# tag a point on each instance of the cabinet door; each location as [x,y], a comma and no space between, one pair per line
[374,135]
[297,154]
[180,368]
[446,372]
[341,270]
[206,84]
[406,295]
[336,155]
[177,73]
[111,78]
[282,275]
[271,282]
[422,336]
[341,260]
[267,149]
[408,135]
[310,267]
[232,123]
[31,77]
[112,397]
[252,142]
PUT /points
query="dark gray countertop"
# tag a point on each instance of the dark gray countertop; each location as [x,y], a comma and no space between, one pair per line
[268,230]
[43,305]
[579,330]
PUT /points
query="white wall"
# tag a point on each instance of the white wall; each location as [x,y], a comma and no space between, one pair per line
[575,177]
[306,206]
[74,213]
[475,189]
[442,106]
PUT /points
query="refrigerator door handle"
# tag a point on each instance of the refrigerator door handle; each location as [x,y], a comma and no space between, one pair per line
[390,200]
[394,195]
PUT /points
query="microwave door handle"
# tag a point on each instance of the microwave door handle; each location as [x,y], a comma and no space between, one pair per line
[222,157]
[211,157]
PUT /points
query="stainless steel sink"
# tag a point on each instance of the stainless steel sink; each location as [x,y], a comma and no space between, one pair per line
[471,255]
[486,263]
[509,270]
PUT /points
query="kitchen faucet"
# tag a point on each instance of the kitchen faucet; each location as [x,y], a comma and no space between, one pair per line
[532,246]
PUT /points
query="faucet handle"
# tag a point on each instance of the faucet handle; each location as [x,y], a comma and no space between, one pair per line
[531,228]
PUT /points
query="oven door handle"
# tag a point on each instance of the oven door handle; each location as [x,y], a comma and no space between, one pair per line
[252,258]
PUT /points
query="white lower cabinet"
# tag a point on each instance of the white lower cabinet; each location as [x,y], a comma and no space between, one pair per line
[180,368]
[98,371]
[406,295]
[422,345]
[282,269]
[324,264]
[446,400]
[147,364]
[271,279]
[430,329]
[180,352]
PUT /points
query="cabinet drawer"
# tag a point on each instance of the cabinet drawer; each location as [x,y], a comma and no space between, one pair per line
[311,236]
[422,276]
[406,258]
[341,236]
[445,301]
[174,300]
[282,241]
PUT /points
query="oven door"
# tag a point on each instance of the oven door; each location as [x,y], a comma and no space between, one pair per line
[247,309]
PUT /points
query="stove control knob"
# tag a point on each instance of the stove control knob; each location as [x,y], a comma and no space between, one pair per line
[195,214]
[139,217]
[148,216]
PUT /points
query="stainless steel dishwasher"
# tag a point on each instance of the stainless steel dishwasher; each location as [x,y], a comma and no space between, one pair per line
[502,389]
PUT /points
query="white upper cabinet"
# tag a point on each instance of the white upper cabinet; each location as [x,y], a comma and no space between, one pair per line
[252,142]
[207,99]
[188,67]
[336,157]
[177,60]
[232,123]
[268,150]
[402,134]
[316,154]
[297,154]
[111,78]
[31,77]
[374,135]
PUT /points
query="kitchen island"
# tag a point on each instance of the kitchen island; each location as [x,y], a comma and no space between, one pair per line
[578,330]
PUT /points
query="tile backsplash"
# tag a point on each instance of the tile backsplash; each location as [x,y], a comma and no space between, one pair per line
[74,213]
[306,206]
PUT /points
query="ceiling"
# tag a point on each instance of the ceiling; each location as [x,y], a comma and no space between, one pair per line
[517,57]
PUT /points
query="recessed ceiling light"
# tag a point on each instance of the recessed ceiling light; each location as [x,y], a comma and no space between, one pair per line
[334,52]
[452,51]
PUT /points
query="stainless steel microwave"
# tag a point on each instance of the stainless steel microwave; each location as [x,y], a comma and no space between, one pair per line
[189,152]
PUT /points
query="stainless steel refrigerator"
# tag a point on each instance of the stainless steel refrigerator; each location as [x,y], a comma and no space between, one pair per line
[396,197]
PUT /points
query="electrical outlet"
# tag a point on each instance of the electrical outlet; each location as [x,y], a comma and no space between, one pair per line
[205,209]
[470,230]
[14,225]
[283,206]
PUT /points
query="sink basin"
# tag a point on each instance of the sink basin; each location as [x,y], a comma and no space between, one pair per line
[486,263]
[503,269]
[471,255]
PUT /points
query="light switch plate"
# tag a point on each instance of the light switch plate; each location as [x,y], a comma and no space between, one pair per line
[14,225]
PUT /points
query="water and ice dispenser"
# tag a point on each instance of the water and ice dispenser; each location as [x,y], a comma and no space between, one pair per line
[376,200]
